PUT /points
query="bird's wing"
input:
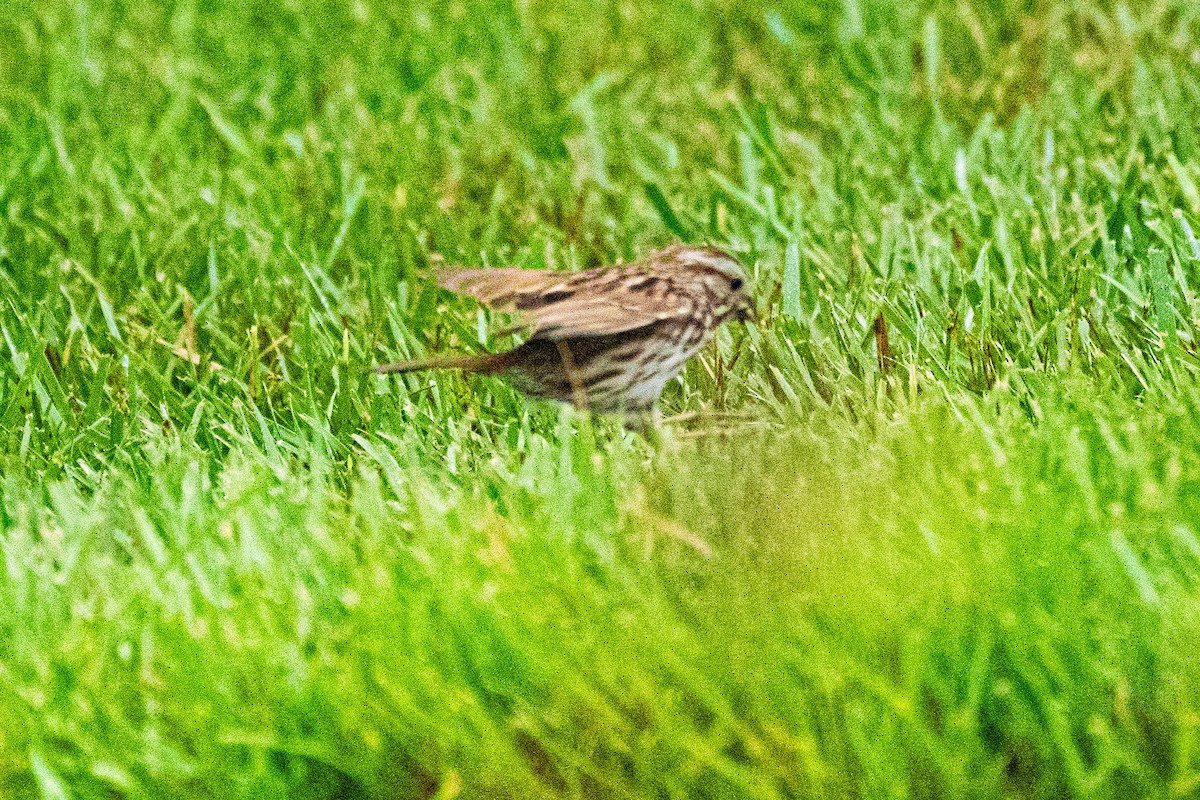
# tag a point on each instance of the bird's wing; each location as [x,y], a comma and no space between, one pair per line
[558,305]
[501,288]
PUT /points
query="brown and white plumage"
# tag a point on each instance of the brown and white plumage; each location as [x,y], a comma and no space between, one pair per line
[607,338]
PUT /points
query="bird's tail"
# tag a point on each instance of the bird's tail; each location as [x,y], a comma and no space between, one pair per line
[486,364]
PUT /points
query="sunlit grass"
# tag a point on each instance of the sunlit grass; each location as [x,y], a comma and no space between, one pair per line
[930,529]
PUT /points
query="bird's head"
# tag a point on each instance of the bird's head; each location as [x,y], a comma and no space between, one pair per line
[722,276]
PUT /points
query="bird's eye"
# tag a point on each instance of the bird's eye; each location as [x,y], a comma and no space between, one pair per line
[735,284]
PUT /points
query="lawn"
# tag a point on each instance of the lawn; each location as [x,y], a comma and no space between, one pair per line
[929,529]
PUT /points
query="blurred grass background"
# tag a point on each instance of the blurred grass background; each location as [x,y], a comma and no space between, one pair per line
[929,530]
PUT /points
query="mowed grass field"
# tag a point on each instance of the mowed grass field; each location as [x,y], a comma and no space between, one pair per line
[931,529]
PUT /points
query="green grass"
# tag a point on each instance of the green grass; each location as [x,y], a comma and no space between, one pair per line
[930,530]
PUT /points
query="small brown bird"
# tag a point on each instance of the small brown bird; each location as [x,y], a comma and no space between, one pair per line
[607,339]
